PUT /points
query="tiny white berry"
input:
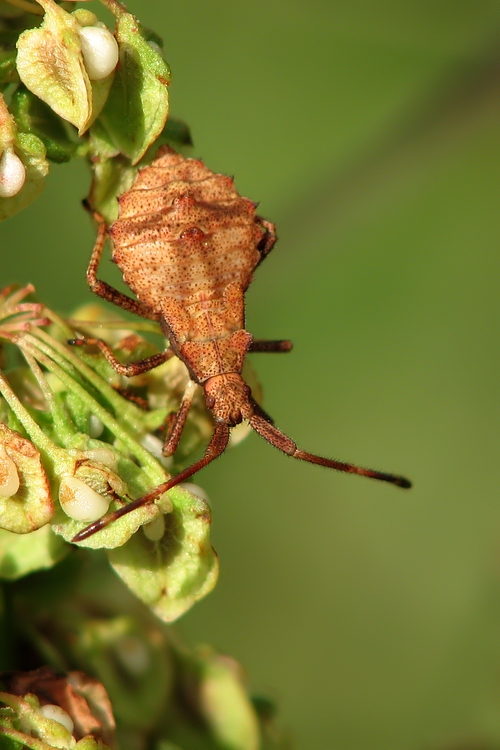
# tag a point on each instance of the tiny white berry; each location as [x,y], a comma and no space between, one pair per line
[56,713]
[81,502]
[12,174]
[99,50]
[155,529]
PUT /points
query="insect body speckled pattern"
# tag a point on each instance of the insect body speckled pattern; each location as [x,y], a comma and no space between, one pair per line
[187,244]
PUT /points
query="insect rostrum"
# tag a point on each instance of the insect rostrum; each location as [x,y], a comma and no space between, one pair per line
[187,244]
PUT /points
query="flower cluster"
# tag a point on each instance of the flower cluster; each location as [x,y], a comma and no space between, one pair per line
[72,437]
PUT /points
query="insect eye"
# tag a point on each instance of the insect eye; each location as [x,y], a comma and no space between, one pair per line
[210,401]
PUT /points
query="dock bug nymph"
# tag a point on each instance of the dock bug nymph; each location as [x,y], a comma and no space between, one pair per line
[187,244]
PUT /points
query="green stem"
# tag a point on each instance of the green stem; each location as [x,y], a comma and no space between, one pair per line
[64,426]
[143,456]
[129,412]
[116,8]
[27,421]
[27,6]
[24,740]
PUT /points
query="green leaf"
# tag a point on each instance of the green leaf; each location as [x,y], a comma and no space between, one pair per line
[34,116]
[176,133]
[137,106]
[50,64]
[170,575]
[21,554]
[110,178]
[31,506]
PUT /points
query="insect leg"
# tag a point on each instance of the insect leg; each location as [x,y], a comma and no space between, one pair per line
[260,345]
[268,241]
[285,444]
[179,420]
[104,290]
[134,368]
[217,445]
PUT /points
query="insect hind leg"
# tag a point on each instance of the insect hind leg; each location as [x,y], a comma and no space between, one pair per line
[215,448]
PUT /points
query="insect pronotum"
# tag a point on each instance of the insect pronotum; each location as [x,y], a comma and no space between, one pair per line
[187,244]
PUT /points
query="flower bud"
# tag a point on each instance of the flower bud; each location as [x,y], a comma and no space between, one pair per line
[155,529]
[56,713]
[99,50]
[81,502]
[12,174]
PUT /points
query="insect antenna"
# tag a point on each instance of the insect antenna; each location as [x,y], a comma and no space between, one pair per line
[279,440]
[215,448]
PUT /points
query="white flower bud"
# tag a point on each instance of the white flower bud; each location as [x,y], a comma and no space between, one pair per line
[133,655]
[103,456]
[81,502]
[12,174]
[154,445]
[9,477]
[99,50]
[56,713]
[96,427]
[155,529]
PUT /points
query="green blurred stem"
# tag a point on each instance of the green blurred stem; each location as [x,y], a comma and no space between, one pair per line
[116,8]
[27,6]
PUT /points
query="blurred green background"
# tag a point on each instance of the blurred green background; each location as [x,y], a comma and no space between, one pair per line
[370,132]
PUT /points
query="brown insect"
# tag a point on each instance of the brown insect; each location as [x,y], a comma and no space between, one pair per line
[187,244]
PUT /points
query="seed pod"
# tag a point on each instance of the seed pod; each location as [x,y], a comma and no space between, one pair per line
[50,64]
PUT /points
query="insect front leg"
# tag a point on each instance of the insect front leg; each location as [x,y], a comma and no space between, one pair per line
[105,290]
[129,370]
[215,448]
[179,420]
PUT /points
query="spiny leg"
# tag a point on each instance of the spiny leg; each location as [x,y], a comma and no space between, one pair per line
[132,369]
[215,448]
[279,440]
[261,345]
[102,288]
[179,420]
